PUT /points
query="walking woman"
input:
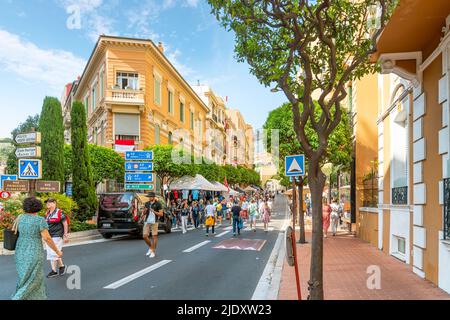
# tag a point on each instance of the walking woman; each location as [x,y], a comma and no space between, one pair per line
[326,216]
[29,255]
[184,213]
[334,216]
[210,220]
[195,214]
[266,213]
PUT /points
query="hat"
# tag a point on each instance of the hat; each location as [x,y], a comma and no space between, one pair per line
[151,194]
[50,200]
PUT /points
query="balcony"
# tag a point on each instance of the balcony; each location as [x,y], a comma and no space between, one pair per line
[125,97]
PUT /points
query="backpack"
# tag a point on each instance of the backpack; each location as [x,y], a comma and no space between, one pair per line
[219,207]
[59,213]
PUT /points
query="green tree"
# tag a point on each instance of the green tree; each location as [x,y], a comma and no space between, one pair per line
[83,185]
[303,47]
[105,162]
[52,140]
[31,123]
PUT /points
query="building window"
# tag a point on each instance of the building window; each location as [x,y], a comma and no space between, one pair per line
[191,118]
[94,97]
[102,135]
[181,111]
[157,133]
[170,137]
[157,90]
[126,126]
[399,151]
[170,102]
[86,105]
[127,81]
[102,87]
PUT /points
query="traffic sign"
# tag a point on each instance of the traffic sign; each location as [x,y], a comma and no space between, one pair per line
[5,177]
[131,186]
[139,155]
[295,166]
[28,152]
[32,137]
[16,185]
[138,177]
[30,169]
[48,186]
[4,195]
[139,166]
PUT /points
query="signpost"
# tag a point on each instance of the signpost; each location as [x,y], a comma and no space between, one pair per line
[4,195]
[138,166]
[28,152]
[48,186]
[295,166]
[30,169]
[5,177]
[138,177]
[16,186]
[139,155]
[140,187]
[139,170]
[32,137]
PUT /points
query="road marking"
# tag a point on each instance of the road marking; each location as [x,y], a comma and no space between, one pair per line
[222,234]
[92,242]
[201,244]
[136,275]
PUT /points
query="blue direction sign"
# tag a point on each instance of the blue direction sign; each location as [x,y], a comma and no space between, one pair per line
[138,177]
[30,169]
[4,177]
[295,166]
[138,166]
[139,155]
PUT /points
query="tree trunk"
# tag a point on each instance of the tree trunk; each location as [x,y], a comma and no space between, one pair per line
[301,220]
[316,181]
[338,181]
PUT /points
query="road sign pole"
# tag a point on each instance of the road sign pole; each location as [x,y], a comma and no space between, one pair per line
[32,192]
[294,246]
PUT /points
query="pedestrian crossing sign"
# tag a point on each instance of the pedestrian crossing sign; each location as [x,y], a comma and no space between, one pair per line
[295,166]
[30,169]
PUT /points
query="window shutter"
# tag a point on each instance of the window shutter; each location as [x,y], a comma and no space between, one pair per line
[126,124]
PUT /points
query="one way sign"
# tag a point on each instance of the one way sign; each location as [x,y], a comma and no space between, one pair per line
[295,166]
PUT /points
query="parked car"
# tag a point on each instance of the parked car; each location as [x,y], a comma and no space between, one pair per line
[121,213]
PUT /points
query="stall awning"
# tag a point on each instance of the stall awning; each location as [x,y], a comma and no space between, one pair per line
[193,183]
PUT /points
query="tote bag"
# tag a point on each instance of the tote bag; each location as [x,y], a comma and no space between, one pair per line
[10,236]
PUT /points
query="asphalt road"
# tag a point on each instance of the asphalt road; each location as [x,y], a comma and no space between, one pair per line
[119,269]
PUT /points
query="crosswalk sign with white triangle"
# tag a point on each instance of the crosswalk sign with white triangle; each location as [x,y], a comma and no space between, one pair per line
[30,169]
[295,165]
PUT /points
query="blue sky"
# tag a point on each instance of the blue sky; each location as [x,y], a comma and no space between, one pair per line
[43,46]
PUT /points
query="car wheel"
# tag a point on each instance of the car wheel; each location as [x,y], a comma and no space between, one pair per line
[107,235]
[168,228]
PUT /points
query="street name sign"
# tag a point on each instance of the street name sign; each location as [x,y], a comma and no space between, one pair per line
[30,169]
[295,166]
[48,186]
[139,166]
[146,187]
[139,155]
[138,177]
[5,177]
[28,152]
[32,137]
[16,186]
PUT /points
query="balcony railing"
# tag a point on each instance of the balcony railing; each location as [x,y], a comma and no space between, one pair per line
[447,209]
[125,96]
[400,195]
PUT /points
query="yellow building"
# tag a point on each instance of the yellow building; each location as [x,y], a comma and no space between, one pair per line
[135,98]
[242,141]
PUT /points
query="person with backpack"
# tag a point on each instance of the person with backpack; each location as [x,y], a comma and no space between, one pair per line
[210,218]
[58,227]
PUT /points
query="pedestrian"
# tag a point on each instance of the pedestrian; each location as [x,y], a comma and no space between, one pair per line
[236,215]
[184,214]
[210,220]
[334,216]
[29,254]
[266,213]
[326,213]
[252,214]
[173,212]
[178,210]
[153,210]
[58,229]
[201,207]
[245,205]
[218,206]
[195,214]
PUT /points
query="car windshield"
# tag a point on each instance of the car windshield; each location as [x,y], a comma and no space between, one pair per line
[116,201]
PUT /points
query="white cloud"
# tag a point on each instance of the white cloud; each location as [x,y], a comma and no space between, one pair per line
[191,3]
[30,63]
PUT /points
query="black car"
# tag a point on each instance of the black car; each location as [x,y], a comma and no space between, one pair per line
[121,213]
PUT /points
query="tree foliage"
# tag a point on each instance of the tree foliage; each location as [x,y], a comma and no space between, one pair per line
[83,185]
[52,144]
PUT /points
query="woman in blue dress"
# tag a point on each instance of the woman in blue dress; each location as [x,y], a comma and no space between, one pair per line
[29,253]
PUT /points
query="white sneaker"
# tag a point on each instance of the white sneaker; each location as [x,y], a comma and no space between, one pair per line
[148,252]
[152,255]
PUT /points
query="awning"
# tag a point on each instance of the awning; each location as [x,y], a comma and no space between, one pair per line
[193,183]
[220,186]
[239,190]
[250,189]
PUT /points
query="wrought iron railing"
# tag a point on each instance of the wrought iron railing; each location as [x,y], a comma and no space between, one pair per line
[447,209]
[400,195]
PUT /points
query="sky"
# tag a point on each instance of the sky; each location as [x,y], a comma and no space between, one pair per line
[45,44]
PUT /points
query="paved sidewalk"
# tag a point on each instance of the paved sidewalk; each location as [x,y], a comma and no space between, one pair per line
[346,259]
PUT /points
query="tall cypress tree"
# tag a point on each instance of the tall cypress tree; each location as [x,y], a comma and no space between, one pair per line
[83,185]
[52,144]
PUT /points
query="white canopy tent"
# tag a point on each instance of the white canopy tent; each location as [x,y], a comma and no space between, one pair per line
[250,189]
[193,183]
[220,186]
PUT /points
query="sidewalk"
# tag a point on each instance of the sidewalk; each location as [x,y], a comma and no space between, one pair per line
[346,259]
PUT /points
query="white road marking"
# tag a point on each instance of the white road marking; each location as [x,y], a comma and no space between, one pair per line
[201,244]
[136,275]
[222,234]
